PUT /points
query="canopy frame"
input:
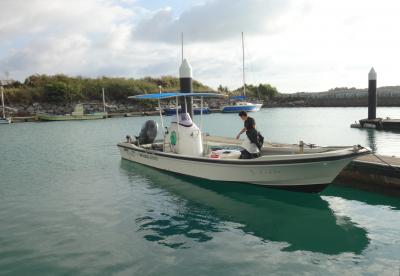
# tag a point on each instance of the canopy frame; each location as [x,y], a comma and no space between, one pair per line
[168,95]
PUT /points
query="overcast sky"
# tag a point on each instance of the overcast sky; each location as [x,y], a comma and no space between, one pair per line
[296,45]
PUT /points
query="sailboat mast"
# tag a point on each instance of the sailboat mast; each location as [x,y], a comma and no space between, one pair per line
[104,100]
[244,76]
[2,101]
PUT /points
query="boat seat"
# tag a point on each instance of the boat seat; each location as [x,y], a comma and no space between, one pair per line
[184,120]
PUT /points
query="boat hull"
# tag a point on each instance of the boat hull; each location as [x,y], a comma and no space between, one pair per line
[238,108]
[47,117]
[5,121]
[311,175]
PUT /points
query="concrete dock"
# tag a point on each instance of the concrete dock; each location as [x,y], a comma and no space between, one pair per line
[372,121]
[379,123]
[372,174]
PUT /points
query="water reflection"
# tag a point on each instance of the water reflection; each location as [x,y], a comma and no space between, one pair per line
[372,199]
[193,223]
[303,221]
[371,137]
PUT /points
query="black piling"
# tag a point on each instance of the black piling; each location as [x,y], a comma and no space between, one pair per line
[186,85]
[372,96]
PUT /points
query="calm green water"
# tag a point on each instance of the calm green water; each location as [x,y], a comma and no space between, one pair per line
[70,206]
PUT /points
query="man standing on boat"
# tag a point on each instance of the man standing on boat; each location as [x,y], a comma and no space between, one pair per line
[254,141]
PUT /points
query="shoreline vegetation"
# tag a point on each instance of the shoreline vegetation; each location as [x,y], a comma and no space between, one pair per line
[58,94]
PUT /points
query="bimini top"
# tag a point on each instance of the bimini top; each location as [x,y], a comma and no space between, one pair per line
[166,95]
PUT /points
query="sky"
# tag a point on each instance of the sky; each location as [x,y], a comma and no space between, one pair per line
[295,45]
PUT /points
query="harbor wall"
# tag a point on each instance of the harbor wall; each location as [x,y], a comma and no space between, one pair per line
[369,173]
[338,97]
[60,109]
[26,110]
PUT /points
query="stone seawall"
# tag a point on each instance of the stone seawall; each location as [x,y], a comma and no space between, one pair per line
[60,109]
[330,102]
[118,107]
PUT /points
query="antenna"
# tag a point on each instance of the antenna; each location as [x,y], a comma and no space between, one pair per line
[2,101]
[7,74]
[244,78]
[182,44]
[104,100]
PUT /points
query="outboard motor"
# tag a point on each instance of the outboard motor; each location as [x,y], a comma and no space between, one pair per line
[148,133]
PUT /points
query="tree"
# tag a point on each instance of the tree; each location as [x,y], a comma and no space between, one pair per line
[223,88]
[266,91]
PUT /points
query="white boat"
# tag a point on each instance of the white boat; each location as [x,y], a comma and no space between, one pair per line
[236,107]
[185,150]
[3,118]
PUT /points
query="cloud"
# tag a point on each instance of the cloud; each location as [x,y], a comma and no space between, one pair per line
[36,17]
[63,36]
[214,20]
[297,45]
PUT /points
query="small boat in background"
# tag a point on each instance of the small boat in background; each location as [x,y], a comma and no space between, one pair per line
[77,114]
[239,103]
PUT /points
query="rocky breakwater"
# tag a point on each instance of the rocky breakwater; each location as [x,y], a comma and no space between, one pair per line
[61,109]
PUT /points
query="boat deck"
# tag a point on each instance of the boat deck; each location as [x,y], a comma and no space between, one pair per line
[268,147]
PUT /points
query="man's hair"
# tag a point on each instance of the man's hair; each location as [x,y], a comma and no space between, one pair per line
[242,113]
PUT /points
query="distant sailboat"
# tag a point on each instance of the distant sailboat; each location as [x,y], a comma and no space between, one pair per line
[239,103]
[3,119]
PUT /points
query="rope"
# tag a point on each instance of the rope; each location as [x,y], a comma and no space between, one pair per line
[376,156]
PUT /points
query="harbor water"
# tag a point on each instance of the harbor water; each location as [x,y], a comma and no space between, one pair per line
[70,206]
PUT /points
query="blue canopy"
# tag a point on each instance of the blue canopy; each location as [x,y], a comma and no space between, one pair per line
[240,98]
[156,96]
[159,96]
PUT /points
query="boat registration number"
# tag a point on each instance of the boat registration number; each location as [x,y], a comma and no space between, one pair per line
[148,156]
[265,171]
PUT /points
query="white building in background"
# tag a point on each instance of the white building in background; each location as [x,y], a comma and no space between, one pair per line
[351,93]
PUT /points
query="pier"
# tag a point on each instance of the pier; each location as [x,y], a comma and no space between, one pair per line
[379,123]
[370,173]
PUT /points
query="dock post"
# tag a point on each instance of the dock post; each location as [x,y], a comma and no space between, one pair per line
[372,96]
[186,85]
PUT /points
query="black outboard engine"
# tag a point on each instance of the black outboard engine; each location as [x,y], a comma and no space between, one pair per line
[148,133]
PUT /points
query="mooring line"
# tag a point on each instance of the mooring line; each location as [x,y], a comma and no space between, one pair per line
[383,161]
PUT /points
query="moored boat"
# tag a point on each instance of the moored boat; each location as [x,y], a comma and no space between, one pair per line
[5,120]
[236,107]
[77,114]
[185,150]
